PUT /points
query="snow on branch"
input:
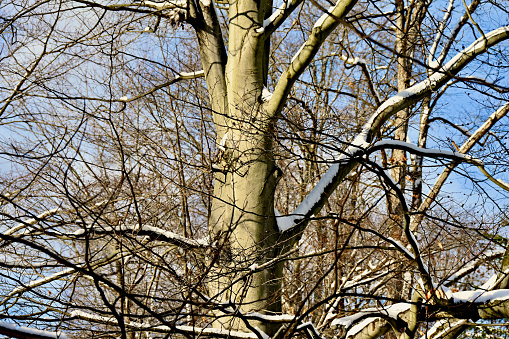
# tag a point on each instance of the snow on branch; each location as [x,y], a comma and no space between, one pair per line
[162,5]
[479,303]
[278,13]
[473,265]
[355,323]
[179,77]
[33,221]
[475,300]
[39,282]
[442,327]
[190,330]
[436,80]
[346,161]
[16,331]
[480,296]
[441,28]
[315,197]
[353,61]
[154,233]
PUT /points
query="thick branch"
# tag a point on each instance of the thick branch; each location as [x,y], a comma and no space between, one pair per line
[296,222]
[21,332]
[321,30]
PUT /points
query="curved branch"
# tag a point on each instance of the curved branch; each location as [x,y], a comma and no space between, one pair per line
[321,30]
[296,222]
[467,146]
[21,332]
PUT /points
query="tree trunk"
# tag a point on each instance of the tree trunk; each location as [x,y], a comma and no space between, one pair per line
[242,215]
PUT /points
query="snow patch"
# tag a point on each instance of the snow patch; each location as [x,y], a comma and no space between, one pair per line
[433,63]
[321,20]
[222,143]
[298,52]
[266,94]
[190,75]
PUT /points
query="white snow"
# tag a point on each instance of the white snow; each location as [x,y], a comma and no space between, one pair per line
[304,209]
[373,314]
[320,21]
[433,63]
[353,61]
[42,281]
[272,318]
[401,248]
[433,331]
[217,331]
[491,283]
[165,4]
[33,221]
[467,268]
[298,52]
[222,143]
[144,228]
[266,94]
[279,11]
[475,47]
[32,331]
[480,296]
[190,75]
[310,326]
[358,327]
[124,98]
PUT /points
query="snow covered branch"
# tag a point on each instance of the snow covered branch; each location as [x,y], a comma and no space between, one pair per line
[179,77]
[155,233]
[347,160]
[279,16]
[373,322]
[22,332]
[162,5]
[321,30]
[189,330]
[473,265]
[33,221]
[355,324]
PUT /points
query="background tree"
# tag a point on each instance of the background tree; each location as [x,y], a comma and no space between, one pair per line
[252,169]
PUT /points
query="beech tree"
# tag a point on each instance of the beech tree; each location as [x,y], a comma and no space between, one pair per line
[253,169]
